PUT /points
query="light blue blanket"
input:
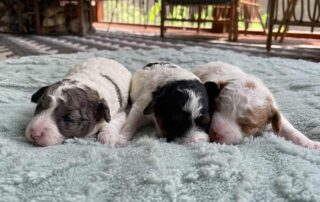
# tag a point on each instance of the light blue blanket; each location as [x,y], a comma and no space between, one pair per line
[267,168]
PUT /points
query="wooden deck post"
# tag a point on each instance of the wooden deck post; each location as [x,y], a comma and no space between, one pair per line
[99,11]
[236,20]
[199,18]
[37,16]
[270,23]
[162,18]
[81,17]
[231,22]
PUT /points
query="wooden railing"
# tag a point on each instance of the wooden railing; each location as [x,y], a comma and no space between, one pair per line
[285,13]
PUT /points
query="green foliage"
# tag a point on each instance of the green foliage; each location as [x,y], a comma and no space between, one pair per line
[132,11]
[255,25]
[154,12]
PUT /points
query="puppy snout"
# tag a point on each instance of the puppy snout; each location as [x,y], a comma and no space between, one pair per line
[36,133]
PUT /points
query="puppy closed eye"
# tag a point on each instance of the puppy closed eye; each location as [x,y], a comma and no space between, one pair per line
[247,126]
[179,115]
[68,119]
[72,122]
[177,118]
[244,122]
[244,126]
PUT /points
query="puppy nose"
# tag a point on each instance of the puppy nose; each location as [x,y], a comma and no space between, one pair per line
[214,136]
[36,134]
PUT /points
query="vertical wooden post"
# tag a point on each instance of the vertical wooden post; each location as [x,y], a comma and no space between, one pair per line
[20,20]
[236,20]
[89,11]
[199,17]
[99,6]
[37,16]
[93,11]
[81,17]
[270,23]
[163,15]
[231,21]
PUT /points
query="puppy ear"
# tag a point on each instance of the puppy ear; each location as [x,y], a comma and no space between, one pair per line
[104,111]
[150,108]
[36,96]
[212,89]
[223,84]
[276,121]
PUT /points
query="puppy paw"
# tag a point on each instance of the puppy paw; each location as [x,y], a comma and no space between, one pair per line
[121,140]
[111,139]
[197,138]
[314,145]
[126,135]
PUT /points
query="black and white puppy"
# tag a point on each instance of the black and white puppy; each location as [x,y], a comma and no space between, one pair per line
[91,98]
[171,97]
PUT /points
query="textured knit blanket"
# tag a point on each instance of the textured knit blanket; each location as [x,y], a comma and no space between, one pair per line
[266,168]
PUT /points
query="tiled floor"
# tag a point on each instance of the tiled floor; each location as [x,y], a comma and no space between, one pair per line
[141,38]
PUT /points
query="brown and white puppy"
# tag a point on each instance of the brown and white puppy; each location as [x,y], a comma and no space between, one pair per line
[245,107]
[91,98]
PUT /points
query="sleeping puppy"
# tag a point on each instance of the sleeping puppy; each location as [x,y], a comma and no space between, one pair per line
[91,98]
[244,107]
[173,99]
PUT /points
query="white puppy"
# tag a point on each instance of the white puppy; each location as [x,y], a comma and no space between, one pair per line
[91,98]
[244,107]
[171,97]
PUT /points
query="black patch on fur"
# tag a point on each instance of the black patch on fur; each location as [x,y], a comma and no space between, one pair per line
[37,95]
[168,103]
[43,91]
[104,111]
[152,64]
[120,98]
[213,91]
[43,104]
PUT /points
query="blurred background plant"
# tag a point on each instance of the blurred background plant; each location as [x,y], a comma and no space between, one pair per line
[147,12]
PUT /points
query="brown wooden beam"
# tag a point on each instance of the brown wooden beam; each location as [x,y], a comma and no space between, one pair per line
[37,16]
[81,17]
[163,14]
[99,13]
[271,6]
